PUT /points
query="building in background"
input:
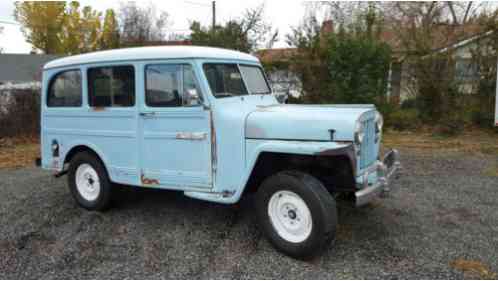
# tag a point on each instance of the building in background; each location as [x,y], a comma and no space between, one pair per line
[22,68]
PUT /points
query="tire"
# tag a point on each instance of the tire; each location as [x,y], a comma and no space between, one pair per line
[279,203]
[89,182]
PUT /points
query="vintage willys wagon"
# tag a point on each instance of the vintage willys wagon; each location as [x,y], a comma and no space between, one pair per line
[204,121]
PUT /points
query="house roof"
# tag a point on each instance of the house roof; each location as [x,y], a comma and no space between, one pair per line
[19,68]
[151,53]
[281,54]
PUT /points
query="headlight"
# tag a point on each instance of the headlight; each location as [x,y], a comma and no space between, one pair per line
[359,135]
[379,123]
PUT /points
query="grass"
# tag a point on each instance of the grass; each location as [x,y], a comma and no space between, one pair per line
[18,152]
[472,141]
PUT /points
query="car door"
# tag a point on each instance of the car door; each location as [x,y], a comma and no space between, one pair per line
[176,142]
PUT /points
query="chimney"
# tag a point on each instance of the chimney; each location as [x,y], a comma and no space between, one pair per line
[327,27]
[325,31]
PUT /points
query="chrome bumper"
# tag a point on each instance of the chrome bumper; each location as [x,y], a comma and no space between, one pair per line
[384,169]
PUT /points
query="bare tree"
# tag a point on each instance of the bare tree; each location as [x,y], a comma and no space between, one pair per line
[142,24]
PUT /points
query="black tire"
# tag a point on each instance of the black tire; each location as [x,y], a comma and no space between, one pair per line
[103,199]
[320,203]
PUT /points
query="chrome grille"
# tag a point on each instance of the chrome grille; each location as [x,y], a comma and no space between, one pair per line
[368,154]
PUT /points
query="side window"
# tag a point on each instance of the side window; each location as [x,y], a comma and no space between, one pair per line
[111,86]
[169,85]
[65,89]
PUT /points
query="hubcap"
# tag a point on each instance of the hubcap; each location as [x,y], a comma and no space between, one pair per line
[87,182]
[290,216]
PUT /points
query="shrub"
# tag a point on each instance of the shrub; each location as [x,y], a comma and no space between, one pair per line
[19,112]
[403,119]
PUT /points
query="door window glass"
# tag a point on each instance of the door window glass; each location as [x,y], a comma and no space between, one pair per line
[170,85]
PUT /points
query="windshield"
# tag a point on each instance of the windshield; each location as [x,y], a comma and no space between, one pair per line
[226,80]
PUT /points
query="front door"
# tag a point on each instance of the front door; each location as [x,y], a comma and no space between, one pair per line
[176,141]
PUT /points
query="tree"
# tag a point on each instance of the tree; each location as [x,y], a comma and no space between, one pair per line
[58,28]
[245,34]
[42,23]
[345,66]
[91,29]
[426,31]
[110,32]
[142,25]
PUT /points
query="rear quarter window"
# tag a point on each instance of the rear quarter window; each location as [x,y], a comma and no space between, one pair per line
[65,89]
[112,86]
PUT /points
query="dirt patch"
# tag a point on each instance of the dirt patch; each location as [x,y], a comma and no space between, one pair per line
[18,152]
[473,269]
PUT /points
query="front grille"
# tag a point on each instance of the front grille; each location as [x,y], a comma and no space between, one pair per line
[368,152]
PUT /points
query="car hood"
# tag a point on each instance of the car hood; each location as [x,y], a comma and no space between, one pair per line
[305,122]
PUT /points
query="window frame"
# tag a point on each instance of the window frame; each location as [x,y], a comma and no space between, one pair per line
[88,85]
[54,77]
[173,63]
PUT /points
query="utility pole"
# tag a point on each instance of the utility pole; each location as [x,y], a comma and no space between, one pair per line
[214,15]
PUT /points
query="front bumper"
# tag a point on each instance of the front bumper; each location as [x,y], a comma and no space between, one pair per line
[384,170]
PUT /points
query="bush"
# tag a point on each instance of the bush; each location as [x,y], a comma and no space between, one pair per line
[401,120]
[409,104]
[19,112]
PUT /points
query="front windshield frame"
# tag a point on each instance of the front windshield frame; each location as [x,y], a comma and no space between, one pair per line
[244,80]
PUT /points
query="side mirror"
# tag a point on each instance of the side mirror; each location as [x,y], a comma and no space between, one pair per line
[193,98]
[282,97]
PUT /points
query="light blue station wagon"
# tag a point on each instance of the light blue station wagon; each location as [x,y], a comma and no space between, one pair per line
[204,121]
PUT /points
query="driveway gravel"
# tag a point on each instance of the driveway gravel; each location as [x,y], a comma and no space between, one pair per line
[439,222]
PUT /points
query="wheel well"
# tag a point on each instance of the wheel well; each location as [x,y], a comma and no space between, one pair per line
[335,172]
[77,149]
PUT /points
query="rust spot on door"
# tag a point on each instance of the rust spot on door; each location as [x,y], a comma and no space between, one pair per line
[148,181]
[98,108]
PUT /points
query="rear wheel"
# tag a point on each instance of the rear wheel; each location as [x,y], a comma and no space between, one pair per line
[296,213]
[88,182]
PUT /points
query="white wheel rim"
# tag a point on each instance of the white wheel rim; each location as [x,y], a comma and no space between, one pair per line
[290,216]
[87,182]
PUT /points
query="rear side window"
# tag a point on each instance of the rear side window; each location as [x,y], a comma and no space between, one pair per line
[65,89]
[111,86]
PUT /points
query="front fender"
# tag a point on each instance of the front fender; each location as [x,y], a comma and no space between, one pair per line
[254,148]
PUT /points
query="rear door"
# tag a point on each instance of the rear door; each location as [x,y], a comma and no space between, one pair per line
[175,129]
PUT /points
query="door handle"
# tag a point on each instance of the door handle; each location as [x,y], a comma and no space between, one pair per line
[147,114]
[191,136]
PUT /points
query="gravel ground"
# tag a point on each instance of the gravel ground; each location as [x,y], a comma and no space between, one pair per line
[441,218]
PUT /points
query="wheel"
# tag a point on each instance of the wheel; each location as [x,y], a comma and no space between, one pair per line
[88,182]
[296,213]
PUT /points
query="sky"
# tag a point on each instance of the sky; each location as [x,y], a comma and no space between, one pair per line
[280,14]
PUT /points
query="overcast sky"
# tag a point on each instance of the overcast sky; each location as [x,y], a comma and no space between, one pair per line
[282,14]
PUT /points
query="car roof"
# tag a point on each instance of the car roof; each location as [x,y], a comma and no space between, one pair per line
[150,53]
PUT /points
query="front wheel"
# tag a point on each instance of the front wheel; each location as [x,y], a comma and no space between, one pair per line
[296,213]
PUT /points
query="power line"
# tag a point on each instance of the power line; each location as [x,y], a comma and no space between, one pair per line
[8,22]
